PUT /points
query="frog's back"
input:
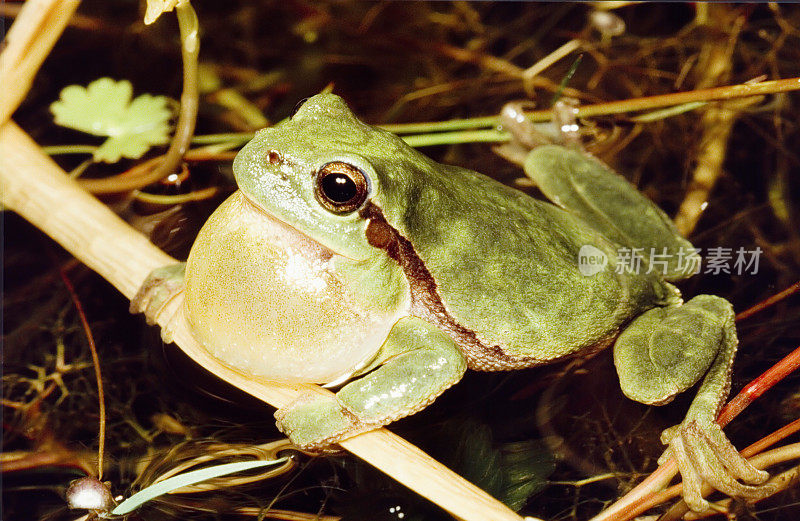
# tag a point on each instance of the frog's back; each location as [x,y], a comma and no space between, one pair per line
[520,289]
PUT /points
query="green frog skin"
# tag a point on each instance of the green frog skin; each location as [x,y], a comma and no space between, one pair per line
[348,256]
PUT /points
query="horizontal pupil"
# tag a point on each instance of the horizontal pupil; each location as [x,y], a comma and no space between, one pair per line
[339,188]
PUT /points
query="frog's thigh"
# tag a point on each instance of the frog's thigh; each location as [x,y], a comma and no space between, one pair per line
[666,350]
[428,362]
[586,187]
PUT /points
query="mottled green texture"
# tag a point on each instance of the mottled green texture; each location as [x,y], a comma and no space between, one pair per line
[429,363]
[666,350]
[314,420]
[587,188]
[520,282]
[377,280]
[505,264]
[424,364]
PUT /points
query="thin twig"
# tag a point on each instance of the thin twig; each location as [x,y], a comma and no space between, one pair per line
[771,439]
[743,90]
[101,431]
[546,62]
[747,313]
[787,365]
[168,200]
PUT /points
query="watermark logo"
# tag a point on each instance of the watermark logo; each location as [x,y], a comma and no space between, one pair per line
[591,260]
[688,261]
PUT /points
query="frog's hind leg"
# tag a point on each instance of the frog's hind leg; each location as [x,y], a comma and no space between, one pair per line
[587,188]
[664,352]
[423,362]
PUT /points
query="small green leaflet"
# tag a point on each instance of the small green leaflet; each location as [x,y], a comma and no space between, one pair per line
[105,108]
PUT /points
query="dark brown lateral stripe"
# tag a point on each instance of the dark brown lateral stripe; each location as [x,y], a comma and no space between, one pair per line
[426,302]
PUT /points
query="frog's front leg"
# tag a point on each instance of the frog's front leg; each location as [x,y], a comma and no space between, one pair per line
[426,364]
[664,352]
[159,288]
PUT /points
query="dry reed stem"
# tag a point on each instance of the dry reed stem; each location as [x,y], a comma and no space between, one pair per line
[28,42]
[717,123]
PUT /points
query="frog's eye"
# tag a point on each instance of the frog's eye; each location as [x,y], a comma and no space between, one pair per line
[340,187]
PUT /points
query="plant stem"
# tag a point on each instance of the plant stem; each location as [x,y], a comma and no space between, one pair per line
[56,150]
[27,44]
[743,90]
[190,49]
[449,138]
[440,126]
[206,139]
[101,433]
[168,200]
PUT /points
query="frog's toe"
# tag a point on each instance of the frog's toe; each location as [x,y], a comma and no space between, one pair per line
[710,464]
[730,458]
[314,422]
[141,301]
[524,133]
[162,285]
[692,484]
[703,451]
[168,329]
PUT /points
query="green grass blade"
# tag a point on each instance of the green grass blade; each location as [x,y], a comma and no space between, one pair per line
[186,479]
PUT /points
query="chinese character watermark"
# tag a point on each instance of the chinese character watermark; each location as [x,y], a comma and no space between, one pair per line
[629,260]
[684,261]
[744,263]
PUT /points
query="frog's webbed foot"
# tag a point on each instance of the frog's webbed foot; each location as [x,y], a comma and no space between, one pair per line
[665,351]
[426,362]
[703,452]
[159,288]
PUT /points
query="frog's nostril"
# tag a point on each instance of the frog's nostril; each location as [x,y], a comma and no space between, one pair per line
[274,157]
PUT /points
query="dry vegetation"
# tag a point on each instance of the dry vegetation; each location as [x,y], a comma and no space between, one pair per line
[404,62]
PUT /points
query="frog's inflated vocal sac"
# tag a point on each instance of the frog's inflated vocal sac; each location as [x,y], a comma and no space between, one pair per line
[346,254]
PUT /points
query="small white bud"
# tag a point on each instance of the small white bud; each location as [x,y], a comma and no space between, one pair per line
[89,493]
[607,23]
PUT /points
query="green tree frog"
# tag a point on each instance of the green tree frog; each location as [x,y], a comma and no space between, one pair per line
[347,256]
